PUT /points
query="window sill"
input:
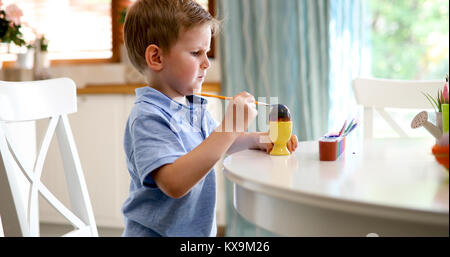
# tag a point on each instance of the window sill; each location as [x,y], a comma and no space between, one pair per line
[213,87]
[53,63]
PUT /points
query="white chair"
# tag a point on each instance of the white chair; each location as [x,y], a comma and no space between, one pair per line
[2,234]
[30,101]
[377,94]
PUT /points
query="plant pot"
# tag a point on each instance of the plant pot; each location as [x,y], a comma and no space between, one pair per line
[43,60]
[25,60]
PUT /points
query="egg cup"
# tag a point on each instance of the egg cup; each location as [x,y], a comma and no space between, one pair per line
[280,133]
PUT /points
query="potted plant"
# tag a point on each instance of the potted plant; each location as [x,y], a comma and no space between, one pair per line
[44,61]
[10,25]
[440,105]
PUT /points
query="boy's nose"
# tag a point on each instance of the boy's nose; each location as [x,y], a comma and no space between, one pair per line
[205,64]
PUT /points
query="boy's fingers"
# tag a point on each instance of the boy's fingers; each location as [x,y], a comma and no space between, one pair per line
[265,139]
[263,147]
[269,148]
[295,140]
[244,95]
[251,99]
[289,146]
[292,143]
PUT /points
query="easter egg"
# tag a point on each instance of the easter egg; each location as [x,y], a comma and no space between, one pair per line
[280,112]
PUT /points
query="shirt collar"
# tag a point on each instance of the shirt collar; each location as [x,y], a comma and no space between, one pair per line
[155,97]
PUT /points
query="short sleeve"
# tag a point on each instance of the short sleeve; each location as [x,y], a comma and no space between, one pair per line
[155,144]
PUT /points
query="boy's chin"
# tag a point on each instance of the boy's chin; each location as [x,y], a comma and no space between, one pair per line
[192,89]
[196,89]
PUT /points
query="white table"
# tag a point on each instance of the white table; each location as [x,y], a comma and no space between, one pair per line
[384,187]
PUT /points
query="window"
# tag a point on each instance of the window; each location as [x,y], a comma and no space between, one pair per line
[78,31]
[409,40]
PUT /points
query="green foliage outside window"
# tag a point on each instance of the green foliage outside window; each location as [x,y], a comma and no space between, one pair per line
[409,38]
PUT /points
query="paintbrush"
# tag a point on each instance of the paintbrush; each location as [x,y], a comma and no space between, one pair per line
[342,129]
[351,128]
[227,98]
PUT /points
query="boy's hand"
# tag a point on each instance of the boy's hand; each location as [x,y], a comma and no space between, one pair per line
[240,112]
[292,144]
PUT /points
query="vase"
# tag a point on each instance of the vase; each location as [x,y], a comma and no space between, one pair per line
[25,60]
[439,120]
[445,118]
[43,60]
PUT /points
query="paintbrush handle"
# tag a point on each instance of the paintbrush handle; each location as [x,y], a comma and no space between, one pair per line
[225,97]
[350,129]
[343,127]
[216,96]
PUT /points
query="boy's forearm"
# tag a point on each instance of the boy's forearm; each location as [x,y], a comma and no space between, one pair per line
[245,141]
[178,178]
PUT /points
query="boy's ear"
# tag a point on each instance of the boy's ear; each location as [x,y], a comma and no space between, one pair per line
[153,57]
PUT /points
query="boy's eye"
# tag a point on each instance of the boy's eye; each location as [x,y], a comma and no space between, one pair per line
[195,53]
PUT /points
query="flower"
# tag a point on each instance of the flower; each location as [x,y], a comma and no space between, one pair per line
[13,13]
[445,92]
[442,97]
[10,25]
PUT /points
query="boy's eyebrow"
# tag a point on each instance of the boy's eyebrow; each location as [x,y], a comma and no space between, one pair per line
[201,47]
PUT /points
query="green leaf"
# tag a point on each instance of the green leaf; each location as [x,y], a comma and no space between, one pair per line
[434,100]
[429,98]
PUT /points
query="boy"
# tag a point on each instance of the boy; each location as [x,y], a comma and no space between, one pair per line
[171,141]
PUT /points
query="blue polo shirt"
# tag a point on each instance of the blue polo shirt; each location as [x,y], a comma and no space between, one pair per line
[159,130]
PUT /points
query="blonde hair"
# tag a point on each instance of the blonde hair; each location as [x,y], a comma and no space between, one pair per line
[159,22]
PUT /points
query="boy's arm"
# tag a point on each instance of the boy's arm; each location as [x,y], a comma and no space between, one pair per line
[177,179]
[247,141]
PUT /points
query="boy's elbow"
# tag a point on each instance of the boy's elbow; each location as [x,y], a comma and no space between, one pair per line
[174,192]
[170,185]
[177,196]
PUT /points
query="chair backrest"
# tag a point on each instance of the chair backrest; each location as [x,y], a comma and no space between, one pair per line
[378,94]
[22,102]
